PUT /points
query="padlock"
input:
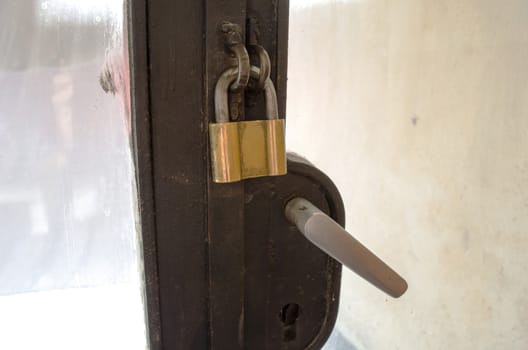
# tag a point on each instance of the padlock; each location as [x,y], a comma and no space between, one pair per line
[246,149]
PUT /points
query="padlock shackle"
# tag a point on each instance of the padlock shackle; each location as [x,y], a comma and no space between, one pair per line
[221,97]
[272,108]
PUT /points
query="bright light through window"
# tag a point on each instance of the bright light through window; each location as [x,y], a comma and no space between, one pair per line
[69,255]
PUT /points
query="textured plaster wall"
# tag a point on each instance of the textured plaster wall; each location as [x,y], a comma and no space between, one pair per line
[419,112]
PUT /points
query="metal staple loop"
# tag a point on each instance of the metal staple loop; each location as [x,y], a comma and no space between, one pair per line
[243,65]
[234,42]
[264,64]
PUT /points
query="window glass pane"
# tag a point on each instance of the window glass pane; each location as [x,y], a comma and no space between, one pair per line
[418,110]
[69,250]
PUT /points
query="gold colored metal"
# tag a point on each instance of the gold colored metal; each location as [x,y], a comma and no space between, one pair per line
[247,149]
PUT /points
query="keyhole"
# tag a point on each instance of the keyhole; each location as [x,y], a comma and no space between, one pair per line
[289,315]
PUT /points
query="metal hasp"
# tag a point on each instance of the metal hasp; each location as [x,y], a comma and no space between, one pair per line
[332,238]
[291,287]
[246,149]
[233,38]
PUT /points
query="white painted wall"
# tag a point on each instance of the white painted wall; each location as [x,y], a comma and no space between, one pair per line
[419,112]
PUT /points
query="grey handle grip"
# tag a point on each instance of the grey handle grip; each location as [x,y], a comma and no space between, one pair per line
[330,237]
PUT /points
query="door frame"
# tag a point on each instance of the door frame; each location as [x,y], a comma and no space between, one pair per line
[191,229]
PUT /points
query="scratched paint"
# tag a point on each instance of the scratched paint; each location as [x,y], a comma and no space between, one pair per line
[418,110]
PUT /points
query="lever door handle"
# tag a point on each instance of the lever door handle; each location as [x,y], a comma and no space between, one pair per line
[330,237]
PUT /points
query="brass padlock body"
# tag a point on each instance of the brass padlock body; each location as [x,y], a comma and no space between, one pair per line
[247,149]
